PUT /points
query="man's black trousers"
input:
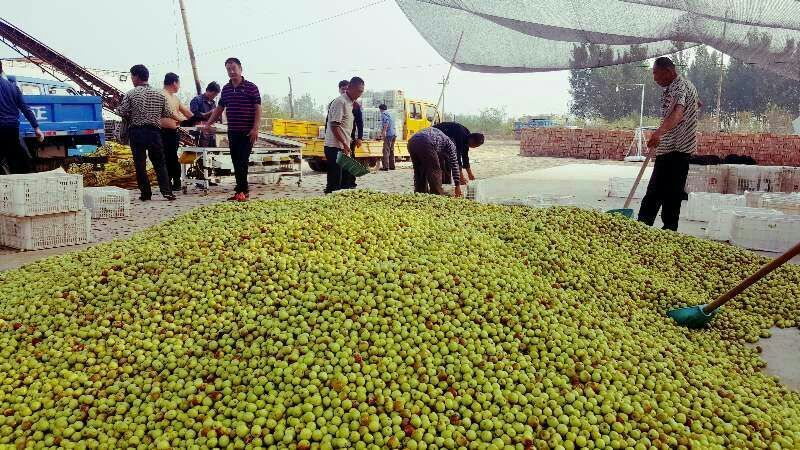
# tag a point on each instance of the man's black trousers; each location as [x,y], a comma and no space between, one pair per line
[666,190]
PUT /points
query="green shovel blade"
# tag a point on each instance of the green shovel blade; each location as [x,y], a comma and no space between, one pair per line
[627,212]
[691,316]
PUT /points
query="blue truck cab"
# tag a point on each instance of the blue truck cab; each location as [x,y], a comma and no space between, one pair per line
[68,120]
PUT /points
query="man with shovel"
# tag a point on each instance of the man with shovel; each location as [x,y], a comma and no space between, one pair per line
[673,143]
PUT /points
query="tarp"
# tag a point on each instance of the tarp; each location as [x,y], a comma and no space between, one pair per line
[544,35]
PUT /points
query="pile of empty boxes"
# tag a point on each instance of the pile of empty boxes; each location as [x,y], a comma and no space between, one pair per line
[759,208]
[395,104]
[52,209]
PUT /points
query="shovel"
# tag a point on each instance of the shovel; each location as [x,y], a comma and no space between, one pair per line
[625,211]
[699,316]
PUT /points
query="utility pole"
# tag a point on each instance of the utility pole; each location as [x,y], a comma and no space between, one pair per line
[441,107]
[446,81]
[291,99]
[719,90]
[721,76]
[191,49]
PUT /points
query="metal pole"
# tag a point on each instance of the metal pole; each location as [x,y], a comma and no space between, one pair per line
[441,112]
[291,99]
[641,124]
[719,91]
[439,104]
[191,49]
[721,75]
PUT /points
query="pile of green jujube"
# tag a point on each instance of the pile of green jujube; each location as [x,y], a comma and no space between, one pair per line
[370,321]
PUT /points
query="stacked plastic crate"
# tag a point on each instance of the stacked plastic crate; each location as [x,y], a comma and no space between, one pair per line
[43,210]
[107,202]
[701,205]
[707,178]
[373,125]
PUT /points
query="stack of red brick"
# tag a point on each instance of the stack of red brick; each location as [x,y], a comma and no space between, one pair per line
[766,149]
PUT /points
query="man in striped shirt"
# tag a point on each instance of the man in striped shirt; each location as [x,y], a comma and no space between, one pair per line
[143,107]
[673,143]
[242,102]
[424,147]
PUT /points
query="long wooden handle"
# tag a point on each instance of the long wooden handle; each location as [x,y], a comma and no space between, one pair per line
[638,179]
[762,272]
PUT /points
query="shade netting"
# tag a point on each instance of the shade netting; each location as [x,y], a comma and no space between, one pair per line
[543,35]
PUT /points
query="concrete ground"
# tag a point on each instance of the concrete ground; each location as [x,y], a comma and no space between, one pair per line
[502,173]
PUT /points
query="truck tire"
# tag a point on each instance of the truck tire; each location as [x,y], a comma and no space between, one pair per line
[318,165]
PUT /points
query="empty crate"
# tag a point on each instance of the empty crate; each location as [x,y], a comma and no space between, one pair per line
[743,178]
[40,193]
[766,232]
[721,224]
[45,231]
[786,203]
[701,205]
[707,179]
[107,202]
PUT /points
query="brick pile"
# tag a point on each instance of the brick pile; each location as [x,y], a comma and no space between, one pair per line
[766,149]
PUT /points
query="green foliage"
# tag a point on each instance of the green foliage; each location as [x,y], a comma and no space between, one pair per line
[608,92]
[753,99]
[272,108]
[490,121]
[305,108]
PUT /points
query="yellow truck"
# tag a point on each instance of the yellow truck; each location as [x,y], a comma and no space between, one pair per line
[414,116]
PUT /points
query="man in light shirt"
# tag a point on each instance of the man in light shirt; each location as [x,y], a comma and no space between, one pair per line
[169,128]
[388,134]
[338,133]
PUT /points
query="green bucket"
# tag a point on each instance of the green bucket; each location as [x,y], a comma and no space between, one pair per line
[351,165]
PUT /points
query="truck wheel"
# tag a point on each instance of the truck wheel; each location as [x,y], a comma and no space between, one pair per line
[318,165]
[372,162]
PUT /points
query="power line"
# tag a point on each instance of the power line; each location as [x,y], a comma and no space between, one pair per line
[368,69]
[282,32]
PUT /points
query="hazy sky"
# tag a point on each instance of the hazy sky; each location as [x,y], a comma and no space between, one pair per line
[377,43]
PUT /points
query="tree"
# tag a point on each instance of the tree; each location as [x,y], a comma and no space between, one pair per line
[271,108]
[305,108]
[579,84]
[492,121]
[704,74]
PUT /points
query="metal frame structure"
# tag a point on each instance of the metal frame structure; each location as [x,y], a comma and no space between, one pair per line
[52,61]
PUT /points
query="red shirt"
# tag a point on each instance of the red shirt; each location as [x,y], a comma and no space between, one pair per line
[240,105]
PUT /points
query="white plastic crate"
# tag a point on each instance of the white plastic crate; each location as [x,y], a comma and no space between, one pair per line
[707,179]
[621,187]
[790,179]
[701,205]
[263,178]
[771,233]
[40,193]
[721,223]
[106,202]
[46,231]
[475,192]
[753,199]
[743,178]
[786,203]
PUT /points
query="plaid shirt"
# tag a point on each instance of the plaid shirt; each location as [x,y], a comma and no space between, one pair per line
[445,147]
[143,106]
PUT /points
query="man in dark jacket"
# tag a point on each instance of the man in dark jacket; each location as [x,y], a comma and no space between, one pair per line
[464,140]
[14,157]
